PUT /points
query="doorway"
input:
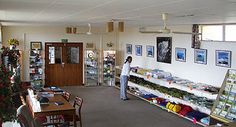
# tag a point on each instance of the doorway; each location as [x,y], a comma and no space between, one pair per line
[63,64]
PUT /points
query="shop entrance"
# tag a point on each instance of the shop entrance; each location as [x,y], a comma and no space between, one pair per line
[63,64]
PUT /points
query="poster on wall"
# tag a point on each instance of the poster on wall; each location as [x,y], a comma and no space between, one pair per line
[200,56]
[150,51]
[138,50]
[180,54]
[164,46]
[128,48]
[223,58]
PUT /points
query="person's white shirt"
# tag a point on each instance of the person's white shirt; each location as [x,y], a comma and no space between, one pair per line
[126,69]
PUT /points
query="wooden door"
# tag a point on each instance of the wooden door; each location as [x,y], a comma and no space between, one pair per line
[64,64]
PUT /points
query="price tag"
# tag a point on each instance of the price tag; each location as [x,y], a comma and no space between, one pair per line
[194,121]
[148,76]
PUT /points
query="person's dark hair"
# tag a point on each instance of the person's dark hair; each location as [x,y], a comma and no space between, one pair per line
[129,57]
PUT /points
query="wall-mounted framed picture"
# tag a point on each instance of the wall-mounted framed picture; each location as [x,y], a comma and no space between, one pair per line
[128,48]
[36,45]
[164,49]
[223,58]
[138,50]
[180,54]
[200,56]
[150,51]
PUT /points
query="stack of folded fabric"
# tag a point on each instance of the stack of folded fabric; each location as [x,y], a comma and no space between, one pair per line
[173,107]
[185,109]
[148,96]
[205,120]
[142,71]
[196,115]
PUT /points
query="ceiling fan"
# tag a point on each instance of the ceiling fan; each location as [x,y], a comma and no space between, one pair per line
[165,30]
[89,30]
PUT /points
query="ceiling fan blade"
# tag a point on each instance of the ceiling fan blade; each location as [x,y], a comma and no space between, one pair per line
[175,32]
[150,32]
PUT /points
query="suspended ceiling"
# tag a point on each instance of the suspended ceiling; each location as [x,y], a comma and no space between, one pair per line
[132,12]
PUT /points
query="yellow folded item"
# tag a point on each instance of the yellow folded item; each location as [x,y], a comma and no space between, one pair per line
[176,108]
[142,71]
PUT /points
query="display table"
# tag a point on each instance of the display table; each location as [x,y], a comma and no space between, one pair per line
[52,109]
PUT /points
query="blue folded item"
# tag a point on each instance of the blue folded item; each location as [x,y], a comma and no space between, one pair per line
[196,115]
[146,96]
[205,120]
[163,103]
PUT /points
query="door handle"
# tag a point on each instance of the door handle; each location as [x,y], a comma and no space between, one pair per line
[63,65]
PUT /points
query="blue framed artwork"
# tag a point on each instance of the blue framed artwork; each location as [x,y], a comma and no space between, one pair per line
[150,51]
[128,48]
[223,58]
[180,54]
[200,56]
[138,50]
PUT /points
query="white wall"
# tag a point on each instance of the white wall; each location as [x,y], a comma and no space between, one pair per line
[26,34]
[210,73]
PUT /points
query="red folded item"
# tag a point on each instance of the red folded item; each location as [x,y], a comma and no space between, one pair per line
[185,109]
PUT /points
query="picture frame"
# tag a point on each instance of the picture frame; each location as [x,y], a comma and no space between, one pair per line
[36,45]
[138,50]
[129,48]
[223,58]
[200,56]
[150,51]
[180,54]
[164,49]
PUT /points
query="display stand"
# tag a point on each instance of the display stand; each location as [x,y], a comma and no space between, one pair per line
[91,68]
[109,67]
[224,108]
[197,93]
[36,68]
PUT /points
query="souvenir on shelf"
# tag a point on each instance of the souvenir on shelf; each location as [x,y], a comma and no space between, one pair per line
[109,67]
[224,108]
[91,66]
[36,68]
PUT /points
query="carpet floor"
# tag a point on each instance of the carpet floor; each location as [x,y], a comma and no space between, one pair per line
[102,107]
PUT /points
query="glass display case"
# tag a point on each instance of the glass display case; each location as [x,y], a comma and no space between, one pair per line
[224,108]
[36,69]
[109,67]
[91,67]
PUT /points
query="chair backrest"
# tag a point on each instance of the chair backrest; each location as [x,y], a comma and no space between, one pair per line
[66,95]
[25,117]
[22,120]
[78,102]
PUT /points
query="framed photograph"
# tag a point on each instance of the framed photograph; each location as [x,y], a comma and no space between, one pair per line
[180,54]
[223,58]
[200,56]
[138,50]
[164,47]
[128,48]
[150,51]
[36,45]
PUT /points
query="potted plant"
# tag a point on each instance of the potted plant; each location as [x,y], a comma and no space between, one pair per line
[13,43]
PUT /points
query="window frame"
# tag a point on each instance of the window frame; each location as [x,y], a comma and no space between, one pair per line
[223,32]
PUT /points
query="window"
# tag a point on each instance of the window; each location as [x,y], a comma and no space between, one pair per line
[212,32]
[230,31]
[224,32]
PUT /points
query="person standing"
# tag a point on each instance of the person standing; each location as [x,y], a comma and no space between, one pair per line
[124,78]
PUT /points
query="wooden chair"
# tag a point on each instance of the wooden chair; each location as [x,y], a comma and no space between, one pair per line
[66,95]
[26,120]
[78,102]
